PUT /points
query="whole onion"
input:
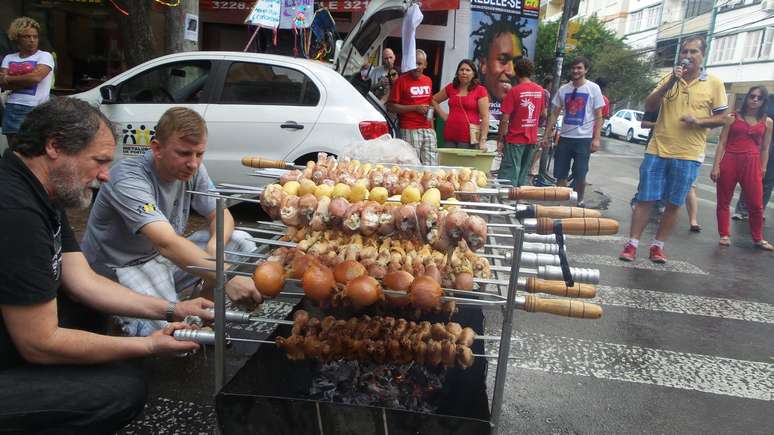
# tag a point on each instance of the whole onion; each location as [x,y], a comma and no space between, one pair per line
[362,291]
[299,265]
[463,281]
[346,271]
[269,278]
[318,282]
[425,293]
[398,281]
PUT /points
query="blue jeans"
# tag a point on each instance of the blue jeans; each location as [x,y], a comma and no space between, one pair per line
[577,150]
[14,116]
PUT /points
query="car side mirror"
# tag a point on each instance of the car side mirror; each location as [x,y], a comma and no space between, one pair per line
[109,94]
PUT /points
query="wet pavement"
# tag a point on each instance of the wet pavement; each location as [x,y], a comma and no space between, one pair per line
[685,347]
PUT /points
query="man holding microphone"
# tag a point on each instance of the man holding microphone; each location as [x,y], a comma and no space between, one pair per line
[690,101]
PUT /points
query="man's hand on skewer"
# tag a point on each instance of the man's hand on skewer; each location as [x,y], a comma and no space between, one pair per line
[241,290]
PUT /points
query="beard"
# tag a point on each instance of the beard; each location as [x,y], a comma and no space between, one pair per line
[69,191]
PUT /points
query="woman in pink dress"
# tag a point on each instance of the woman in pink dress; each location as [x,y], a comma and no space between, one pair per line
[468,105]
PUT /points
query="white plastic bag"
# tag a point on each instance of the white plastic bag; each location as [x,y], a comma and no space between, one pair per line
[383,149]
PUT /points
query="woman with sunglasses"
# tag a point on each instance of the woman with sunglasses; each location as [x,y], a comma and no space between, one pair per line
[741,157]
[467,121]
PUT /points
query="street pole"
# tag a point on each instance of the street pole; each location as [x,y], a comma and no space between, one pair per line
[710,32]
[561,41]
[175,27]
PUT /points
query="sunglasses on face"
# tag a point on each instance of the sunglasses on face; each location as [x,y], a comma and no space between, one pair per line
[393,74]
[756,97]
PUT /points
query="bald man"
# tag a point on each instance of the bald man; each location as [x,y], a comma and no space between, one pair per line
[411,97]
[378,73]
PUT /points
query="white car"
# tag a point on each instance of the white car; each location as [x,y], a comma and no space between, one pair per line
[626,124]
[277,107]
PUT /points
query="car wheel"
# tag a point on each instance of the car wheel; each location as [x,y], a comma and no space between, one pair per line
[608,131]
[630,135]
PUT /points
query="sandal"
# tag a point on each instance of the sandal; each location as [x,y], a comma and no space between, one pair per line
[695,228]
[764,245]
[725,241]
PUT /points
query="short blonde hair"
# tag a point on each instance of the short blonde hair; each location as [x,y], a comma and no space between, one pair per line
[20,24]
[186,122]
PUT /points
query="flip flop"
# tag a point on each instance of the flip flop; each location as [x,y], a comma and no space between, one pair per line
[695,228]
[724,241]
[764,245]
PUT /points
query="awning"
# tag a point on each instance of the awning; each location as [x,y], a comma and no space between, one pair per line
[360,5]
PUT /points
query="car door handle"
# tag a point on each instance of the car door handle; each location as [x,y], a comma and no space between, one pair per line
[292,125]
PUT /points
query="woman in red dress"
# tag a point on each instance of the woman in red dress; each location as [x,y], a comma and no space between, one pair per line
[468,105]
[741,158]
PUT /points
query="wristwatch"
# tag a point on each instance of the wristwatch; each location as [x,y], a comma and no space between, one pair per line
[171,312]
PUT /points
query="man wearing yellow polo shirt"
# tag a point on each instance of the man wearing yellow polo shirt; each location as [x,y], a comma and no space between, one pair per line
[690,102]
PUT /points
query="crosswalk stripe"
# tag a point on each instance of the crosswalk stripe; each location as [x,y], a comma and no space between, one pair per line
[612,361]
[616,239]
[640,263]
[685,304]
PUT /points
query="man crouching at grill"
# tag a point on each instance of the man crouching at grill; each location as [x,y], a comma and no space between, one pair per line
[135,230]
[56,376]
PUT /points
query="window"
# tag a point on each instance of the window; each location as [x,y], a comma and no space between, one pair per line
[635,21]
[255,83]
[627,116]
[694,8]
[638,116]
[179,82]
[752,44]
[653,13]
[768,42]
[724,49]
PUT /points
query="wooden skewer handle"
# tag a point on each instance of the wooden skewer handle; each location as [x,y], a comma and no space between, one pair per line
[579,226]
[261,163]
[565,212]
[563,307]
[559,288]
[540,193]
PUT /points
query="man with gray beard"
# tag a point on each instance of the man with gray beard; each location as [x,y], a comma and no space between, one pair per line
[59,373]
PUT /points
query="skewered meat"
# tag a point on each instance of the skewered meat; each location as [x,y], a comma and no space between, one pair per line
[322,217]
[307,205]
[271,200]
[369,219]
[289,212]
[474,232]
[338,210]
[351,222]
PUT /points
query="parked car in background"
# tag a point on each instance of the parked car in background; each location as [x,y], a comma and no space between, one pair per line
[277,107]
[626,124]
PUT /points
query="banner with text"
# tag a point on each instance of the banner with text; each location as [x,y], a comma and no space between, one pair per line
[265,13]
[501,32]
[296,14]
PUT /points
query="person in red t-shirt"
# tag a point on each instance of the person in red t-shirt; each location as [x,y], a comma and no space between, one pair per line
[411,97]
[468,105]
[522,108]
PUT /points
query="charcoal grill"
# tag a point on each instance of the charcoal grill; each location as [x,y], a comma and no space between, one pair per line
[270,395]
[273,395]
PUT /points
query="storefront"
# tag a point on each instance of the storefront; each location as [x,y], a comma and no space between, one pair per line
[83,35]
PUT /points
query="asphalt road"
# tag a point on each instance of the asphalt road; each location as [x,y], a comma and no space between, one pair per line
[686,347]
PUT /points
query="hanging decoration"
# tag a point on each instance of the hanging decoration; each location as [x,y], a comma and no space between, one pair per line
[170,4]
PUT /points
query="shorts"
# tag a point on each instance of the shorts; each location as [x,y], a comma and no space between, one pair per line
[161,278]
[667,179]
[424,142]
[577,150]
[13,117]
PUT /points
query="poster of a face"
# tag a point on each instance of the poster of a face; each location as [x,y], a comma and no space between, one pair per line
[501,32]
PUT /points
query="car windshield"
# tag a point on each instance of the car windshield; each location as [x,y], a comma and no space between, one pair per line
[638,116]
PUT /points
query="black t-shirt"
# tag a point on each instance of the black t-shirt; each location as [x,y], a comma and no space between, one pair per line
[33,236]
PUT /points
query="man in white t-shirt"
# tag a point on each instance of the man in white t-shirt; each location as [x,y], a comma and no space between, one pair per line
[27,73]
[579,136]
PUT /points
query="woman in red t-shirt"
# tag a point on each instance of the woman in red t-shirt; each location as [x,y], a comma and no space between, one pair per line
[741,157]
[468,105]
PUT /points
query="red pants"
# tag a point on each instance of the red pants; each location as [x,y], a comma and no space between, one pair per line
[744,169]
